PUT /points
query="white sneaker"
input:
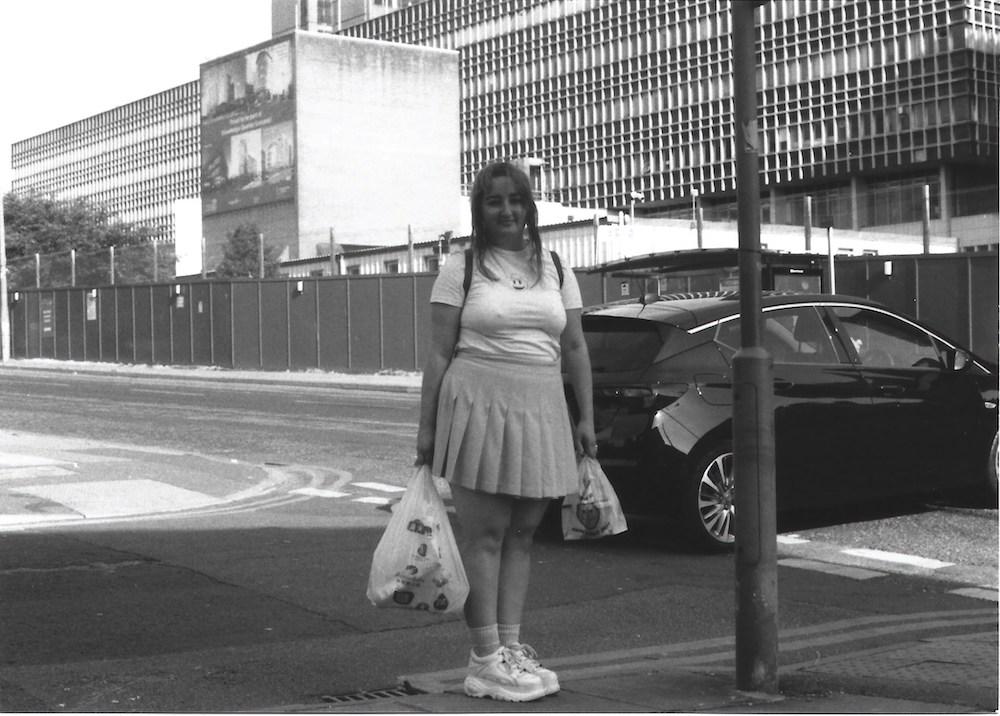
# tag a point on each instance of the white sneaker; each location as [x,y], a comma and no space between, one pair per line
[527,659]
[499,677]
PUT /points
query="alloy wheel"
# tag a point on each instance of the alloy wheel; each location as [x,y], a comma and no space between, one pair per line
[717,499]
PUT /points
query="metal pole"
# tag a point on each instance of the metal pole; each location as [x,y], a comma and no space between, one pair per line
[829,257]
[111,261]
[696,200]
[927,218]
[38,270]
[260,256]
[4,305]
[333,254]
[809,223]
[72,267]
[753,413]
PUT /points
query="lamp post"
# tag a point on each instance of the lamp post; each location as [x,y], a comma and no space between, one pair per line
[753,395]
[4,307]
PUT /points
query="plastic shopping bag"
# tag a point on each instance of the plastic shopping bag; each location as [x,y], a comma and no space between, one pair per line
[595,510]
[416,564]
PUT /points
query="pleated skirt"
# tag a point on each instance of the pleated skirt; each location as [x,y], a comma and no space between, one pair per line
[504,428]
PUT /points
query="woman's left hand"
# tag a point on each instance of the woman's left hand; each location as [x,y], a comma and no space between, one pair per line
[585,439]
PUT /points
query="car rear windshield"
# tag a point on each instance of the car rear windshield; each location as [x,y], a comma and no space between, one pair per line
[621,344]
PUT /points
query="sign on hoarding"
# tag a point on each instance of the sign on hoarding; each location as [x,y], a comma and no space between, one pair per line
[247,129]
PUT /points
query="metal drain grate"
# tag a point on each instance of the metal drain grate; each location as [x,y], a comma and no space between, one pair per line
[373,695]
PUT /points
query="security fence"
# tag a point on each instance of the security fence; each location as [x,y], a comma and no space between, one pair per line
[149,262]
[375,323]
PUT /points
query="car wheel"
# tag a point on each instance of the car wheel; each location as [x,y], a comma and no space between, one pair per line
[709,504]
[992,469]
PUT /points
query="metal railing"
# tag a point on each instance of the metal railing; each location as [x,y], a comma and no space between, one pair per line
[145,263]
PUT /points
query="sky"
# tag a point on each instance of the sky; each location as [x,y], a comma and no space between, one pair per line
[64,60]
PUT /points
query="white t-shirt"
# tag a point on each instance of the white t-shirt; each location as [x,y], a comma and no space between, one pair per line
[522,324]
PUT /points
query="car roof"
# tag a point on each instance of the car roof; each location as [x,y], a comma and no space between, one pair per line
[687,311]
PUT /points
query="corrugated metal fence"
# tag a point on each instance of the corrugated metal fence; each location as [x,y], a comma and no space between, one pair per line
[371,323]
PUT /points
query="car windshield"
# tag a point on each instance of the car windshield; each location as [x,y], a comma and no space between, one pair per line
[621,345]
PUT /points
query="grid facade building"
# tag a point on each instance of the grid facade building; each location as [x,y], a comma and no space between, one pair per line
[136,159]
[861,102]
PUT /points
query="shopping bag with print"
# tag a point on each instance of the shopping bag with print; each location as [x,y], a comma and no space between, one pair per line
[416,564]
[594,511]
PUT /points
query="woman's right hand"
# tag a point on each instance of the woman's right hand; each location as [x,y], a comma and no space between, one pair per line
[425,447]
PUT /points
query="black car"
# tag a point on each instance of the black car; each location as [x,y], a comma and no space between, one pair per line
[868,404]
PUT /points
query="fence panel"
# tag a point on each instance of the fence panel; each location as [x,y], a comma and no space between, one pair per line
[222,328]
[142,303]
[983,287]
[943,287]
[246,329]
[106,320]
[201,324]
[180,326]
[274,324]
[423,318]
[125,343]
[76,326]
[397,323]
[46,325]
[333,318]
[365,336]
[302,324]
[161,326]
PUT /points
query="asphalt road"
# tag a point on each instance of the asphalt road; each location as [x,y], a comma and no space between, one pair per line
[261,607]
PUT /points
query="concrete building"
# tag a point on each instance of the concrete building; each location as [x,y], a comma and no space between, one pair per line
[862,104]
[137,159]
[314,136]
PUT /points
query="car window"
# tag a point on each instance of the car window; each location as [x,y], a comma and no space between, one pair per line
[621,345]
[884,341]
[790,335]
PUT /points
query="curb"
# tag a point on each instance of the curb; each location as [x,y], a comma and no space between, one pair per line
[207,373]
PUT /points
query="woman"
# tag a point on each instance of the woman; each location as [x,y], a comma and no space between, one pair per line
[494,420]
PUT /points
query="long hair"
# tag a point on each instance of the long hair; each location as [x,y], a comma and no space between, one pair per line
[480,241]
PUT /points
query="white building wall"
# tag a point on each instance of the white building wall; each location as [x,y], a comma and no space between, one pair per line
[378,141]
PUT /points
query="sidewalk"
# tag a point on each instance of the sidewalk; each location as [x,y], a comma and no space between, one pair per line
[943,666]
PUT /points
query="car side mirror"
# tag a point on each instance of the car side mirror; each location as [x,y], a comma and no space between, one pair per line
[959,360]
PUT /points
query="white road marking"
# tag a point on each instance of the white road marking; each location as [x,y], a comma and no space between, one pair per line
[379,486]
[989,595]
[316,492]
[117,498]
[167,392]
[897,558]
[791,539]
[13,459]
[841,570]
[372,500]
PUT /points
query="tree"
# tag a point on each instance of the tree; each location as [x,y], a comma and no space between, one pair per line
[51,227]
[46,225]
[241,255]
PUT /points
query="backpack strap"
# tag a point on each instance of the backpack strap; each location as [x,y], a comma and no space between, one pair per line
[469,261]
[558,265]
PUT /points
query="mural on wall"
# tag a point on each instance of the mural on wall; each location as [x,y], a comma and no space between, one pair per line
[247,135]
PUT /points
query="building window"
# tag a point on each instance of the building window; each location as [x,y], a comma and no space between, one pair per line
[391,266]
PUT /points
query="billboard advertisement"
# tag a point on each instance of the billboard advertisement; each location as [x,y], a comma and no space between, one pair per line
[247,129]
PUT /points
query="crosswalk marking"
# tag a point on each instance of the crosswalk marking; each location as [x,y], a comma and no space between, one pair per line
[372,500]
[381,487]
[317,492]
